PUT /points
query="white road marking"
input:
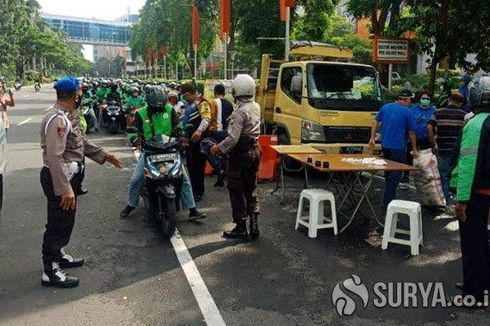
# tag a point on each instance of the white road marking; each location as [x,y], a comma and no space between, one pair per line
[23,122]
[206,303]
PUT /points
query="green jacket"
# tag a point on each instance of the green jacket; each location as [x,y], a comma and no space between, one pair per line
[463,175]
[159,123]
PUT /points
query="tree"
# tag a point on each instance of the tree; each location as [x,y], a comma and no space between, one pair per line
[168,22]
[26,39]
[315,22]
[451,29]
[379,11]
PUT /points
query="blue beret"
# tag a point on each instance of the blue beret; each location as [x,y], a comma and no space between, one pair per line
[67,83]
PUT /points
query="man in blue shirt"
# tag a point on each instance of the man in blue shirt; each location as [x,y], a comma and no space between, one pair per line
[396,122]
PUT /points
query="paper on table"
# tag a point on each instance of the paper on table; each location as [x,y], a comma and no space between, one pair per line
[367,161]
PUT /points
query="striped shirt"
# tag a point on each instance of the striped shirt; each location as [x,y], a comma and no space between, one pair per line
[449,122]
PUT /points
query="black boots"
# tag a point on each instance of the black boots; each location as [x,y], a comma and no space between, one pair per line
[254,226]
[239,232]
[54,276]
[220,181]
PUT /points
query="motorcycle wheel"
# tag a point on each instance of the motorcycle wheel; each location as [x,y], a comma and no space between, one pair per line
[169,217]
[113,128]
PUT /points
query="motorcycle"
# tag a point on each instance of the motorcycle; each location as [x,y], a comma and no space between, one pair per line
[163,180]
[85,111]
[37,87]
[114,117]
[18,86]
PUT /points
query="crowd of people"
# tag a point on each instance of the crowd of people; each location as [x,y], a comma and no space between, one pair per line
[210,130]
[226,135]
[459,134]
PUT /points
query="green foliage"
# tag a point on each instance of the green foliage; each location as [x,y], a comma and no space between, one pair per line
[314,24]
[108,68]
[25,38]
[379,11]
[452,29]
[421,81]
[168,22]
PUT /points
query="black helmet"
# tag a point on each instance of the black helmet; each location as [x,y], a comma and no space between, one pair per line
[479,92]
[155,97]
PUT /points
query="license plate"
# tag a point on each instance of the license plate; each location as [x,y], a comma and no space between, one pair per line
[162,158]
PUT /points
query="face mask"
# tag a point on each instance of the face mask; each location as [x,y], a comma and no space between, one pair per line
[425,102]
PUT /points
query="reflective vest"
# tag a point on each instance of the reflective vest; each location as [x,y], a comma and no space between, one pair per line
[462,176]
[160,124]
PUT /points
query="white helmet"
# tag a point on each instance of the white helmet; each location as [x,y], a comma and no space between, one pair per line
[173,94]
[243,86]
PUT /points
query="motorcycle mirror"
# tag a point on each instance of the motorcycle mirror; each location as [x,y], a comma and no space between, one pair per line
[132,130]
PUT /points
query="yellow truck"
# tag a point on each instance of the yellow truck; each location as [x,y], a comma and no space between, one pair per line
[320,99]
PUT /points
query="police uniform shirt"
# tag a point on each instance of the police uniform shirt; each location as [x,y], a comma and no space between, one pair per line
[62,141]
[244,121]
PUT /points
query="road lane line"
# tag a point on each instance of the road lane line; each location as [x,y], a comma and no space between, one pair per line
[25,121]
[206,303]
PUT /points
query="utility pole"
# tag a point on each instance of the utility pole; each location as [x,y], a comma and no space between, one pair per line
[288,25]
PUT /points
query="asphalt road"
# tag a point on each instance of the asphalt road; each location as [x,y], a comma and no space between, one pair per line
[133,277]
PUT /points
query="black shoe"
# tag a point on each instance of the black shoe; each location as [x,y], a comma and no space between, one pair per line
[195,215]
[54,276]
[70,262]
[126,211]
[254,226]
[239,232]
[197,198]
[220,181]
[82,191]
[459,285]
[97,129]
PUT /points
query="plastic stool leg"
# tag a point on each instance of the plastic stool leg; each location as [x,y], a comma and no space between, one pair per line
[300,212]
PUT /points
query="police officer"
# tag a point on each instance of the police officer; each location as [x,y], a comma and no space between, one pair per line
[471,178]
[64,148]
[244,157]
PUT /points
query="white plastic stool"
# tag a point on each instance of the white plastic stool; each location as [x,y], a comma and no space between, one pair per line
[414,212]
[315,220]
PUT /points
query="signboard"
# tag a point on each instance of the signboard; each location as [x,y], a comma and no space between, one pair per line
[390,50]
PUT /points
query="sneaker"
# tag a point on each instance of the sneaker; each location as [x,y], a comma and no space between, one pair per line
[126,211]
[69,262]
[54,276]
[195,215]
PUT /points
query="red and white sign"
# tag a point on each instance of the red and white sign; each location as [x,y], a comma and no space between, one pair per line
[390,50]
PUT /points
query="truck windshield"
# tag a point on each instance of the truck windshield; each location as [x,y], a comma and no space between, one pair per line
[343,86]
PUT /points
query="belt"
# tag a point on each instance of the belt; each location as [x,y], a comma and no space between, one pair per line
[71,168]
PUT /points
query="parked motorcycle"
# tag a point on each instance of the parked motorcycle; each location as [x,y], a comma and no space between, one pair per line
[37,87]
[163,179]
[17,85]
[114,117]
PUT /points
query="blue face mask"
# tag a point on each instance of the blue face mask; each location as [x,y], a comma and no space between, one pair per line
[425,102]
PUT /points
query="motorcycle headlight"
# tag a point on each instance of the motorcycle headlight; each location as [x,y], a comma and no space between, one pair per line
[311,131]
